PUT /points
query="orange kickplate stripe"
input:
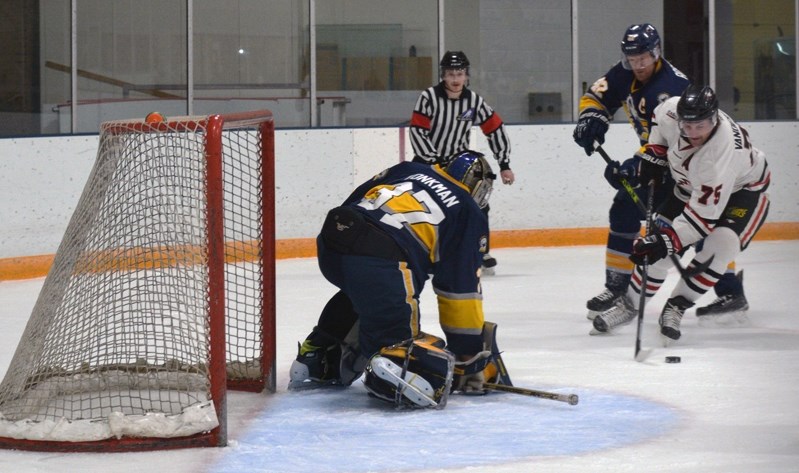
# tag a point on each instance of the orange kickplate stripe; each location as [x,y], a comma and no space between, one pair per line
[26,267]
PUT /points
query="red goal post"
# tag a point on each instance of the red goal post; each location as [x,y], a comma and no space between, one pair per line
[161,295]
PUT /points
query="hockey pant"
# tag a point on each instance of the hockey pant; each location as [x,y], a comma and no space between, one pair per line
[382,288]
[743,216]
[625,226]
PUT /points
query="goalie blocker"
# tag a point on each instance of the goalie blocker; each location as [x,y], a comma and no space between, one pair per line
[420,373]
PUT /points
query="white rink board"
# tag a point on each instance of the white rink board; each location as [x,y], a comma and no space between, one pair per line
[557,185]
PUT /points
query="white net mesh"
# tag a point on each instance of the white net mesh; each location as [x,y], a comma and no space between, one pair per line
[119,341]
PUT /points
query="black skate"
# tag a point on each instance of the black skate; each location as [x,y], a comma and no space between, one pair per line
[671,317]
[620,314]
[725,304]
[489,265]
[602,302]
[725,309]
[315,367]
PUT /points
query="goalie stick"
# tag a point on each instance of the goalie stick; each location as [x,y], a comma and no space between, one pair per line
[571,399]
[686,273]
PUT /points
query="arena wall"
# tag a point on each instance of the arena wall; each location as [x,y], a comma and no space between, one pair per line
[559,198]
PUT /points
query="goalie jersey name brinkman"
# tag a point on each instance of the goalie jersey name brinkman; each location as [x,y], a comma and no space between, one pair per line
[432,216]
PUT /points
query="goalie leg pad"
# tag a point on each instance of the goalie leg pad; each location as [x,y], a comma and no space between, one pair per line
[352,362]
[430,339]
[485,367]
[387,381]
[412,374]
[495,371]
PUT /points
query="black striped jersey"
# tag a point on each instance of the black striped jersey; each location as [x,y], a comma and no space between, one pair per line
[444,233]
[619,88]
[440,126]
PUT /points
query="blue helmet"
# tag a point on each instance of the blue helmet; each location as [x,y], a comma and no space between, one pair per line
[472,170]
[639,39]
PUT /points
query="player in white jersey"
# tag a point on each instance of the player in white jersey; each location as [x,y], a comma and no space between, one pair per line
[638,83]
[719,196]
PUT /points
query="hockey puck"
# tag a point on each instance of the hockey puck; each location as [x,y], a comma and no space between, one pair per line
[673,359]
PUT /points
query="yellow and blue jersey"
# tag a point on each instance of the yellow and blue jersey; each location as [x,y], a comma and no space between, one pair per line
[619,88]
[616,89]
[443,232]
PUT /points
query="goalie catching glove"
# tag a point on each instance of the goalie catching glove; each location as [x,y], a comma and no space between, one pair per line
[655,247]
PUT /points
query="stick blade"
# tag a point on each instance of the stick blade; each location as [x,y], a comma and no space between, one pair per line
[642,355]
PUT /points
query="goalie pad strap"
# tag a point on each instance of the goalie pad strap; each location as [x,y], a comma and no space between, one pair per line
[473,365]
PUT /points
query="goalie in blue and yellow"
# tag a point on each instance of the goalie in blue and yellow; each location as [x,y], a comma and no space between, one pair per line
[379,248]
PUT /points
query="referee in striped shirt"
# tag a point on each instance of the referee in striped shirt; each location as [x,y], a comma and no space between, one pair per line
[443,117]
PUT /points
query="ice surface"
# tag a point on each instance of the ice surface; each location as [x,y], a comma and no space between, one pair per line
[730,406]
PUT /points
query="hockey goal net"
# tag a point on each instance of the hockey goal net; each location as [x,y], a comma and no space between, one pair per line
[161,295]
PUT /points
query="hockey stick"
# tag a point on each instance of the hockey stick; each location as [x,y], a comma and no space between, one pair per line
[639,356]
[686,273]
[567,398]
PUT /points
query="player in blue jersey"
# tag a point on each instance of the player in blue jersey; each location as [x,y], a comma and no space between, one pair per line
[379,247]
[639,82]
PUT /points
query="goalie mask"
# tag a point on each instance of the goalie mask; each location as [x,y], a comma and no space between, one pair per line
[472,169]
[637,40]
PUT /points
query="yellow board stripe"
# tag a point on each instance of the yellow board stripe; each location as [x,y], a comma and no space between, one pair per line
[26,267]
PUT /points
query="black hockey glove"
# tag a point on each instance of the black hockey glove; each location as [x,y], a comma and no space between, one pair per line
[628,170]
[656,246]
[654,164]
[591,126]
